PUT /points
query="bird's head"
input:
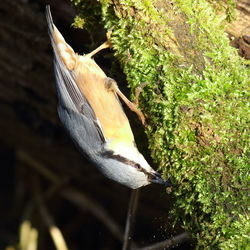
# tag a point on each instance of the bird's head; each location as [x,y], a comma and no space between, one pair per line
[127,166]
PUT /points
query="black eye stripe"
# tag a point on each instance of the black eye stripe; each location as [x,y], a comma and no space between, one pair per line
[150,176]
[110,154]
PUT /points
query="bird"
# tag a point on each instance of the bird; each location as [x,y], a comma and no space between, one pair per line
[91,112]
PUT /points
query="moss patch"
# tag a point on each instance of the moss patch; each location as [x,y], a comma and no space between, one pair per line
[197,104]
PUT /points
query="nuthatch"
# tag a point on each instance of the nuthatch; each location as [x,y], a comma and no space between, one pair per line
[89,108]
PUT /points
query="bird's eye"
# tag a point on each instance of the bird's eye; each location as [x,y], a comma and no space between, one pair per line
[137,166]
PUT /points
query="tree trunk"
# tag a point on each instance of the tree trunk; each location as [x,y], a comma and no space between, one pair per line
[196,101]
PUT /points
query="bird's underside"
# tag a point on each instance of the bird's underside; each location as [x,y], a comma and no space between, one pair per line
[100,91]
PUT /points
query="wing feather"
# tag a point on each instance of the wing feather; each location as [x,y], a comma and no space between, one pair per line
[71,99]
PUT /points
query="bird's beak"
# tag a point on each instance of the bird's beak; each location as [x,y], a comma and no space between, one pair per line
[156,178]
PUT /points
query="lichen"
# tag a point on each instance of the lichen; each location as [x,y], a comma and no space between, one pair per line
[196,100]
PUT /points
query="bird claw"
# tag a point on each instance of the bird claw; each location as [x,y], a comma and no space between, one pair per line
[138,91]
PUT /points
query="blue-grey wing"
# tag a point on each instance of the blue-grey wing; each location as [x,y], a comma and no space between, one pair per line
[74,110]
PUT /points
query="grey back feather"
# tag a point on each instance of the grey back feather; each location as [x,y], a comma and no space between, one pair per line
[74,110]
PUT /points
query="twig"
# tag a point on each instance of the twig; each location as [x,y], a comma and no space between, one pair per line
[40,168]
[74,196]
[55,232]
[130,219]
[10,248]
[55,188]
[166,243]
[33,239]
[28,235]
[84,202]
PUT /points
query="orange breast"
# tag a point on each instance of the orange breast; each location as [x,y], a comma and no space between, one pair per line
[91,81]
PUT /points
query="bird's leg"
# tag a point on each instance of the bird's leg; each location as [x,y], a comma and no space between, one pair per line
[105,45]
[112,85]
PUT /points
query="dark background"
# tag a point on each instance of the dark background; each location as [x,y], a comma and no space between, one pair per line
[40,167]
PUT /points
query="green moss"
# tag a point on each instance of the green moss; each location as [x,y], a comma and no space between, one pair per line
[79,22]
[197,104]
[227,6]
[89,14]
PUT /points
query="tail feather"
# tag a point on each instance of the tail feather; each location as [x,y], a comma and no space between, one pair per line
[49,21]
[60,47]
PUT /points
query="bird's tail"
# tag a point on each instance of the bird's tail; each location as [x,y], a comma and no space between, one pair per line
[60,47]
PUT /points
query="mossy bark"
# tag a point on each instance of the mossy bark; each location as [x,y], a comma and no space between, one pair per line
[196,101]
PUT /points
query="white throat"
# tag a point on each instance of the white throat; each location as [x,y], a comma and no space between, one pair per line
[131,153]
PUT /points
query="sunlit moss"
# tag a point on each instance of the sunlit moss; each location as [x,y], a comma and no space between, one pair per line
[78,22]
[89,14]
[197,104]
